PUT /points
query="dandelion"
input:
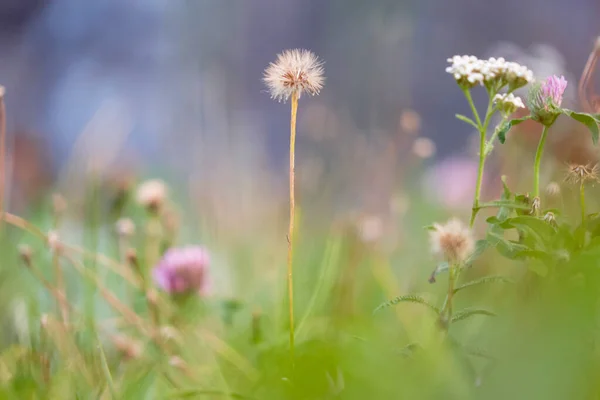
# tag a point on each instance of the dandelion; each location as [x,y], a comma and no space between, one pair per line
[508,103]
[579,174]
[293,73]
[453,241]
[152,194]
[545,98]
[183,271]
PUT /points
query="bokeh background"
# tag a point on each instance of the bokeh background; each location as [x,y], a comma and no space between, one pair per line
[102,95]
[176,79]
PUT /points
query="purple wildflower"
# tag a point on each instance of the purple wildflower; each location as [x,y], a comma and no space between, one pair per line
[545,99]
[553,90]
[183,270]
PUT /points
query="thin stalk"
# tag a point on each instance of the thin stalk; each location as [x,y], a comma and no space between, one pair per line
[538,159]
[482,147]
[446,313]
[290,279]
[582,203]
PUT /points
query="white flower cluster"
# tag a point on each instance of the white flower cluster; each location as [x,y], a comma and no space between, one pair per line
[470,71]
[508,103]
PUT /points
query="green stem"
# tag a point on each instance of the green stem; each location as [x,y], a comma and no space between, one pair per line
[490,142]
[536,166]
[482,148]
[446,313]
[582,203]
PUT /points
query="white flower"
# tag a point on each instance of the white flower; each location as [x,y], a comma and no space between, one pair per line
[295,71]
[508,103]
[470,71]
[453,241]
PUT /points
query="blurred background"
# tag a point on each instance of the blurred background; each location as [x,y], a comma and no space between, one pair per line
[174,88]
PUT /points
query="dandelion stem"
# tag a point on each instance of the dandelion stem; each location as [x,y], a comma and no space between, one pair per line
[290,238]
[582,203]
[536,166]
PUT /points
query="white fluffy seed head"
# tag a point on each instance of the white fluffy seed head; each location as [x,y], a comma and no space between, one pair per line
[453,241]
[295,71]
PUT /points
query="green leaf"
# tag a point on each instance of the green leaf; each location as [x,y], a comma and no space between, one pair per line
[538,267]
[200,393]
[410,298]
[588,120]
[534,225]
[503,130]
[469,312]
[481,281]
[480,247]
[467,120]
[504,203]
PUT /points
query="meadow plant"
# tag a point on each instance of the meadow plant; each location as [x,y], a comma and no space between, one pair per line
[293,73]
[159,347]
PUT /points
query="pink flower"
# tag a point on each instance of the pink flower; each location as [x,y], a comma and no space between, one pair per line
[545,99]
[183,270]
[553,90]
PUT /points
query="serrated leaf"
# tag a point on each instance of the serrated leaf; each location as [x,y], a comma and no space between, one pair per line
[484,280]
[588,120]
[468,120]
[469,312]
[503,130]
[409,298]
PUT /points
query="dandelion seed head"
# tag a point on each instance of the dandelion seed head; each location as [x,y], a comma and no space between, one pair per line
[580,174]
[183,270]
[453,241]
[294,71]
